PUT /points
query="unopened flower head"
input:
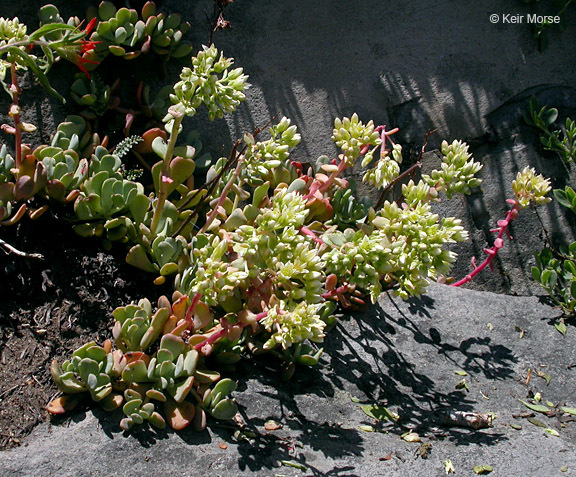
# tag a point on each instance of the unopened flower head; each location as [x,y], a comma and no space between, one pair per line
[531,187]
[210,82]
[290,326]
[351,135]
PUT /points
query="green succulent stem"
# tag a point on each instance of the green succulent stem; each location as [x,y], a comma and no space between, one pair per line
[411,170]
[225,192]
[162,185]
[15,89]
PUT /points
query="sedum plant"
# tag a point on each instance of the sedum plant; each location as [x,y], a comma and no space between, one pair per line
[172,379]
[529,189]
[259,250]
[260,273]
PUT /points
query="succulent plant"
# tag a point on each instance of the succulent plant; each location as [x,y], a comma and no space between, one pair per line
[136,328]
[7,164]
[88,371]
[104,195]
[140,382]
[530,187]
[264,158]
[65,171]
[165,255]
[290,326]
[386,169]
[91,93]
[347,209]
[352,136]
[210,82]
[139,409]
[73,133]
[123,32]
[457,174]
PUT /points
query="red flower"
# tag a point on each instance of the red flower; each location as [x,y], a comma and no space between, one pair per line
[85,47]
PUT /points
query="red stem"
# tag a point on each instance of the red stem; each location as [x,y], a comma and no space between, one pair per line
[498,243]
[335,292]
[306,231]
[222,332]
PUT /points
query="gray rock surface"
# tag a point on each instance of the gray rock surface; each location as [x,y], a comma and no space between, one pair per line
[400,354]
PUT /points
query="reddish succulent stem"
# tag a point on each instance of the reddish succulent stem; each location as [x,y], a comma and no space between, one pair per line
[498,243]
[222,331]
[192,308]
[321,188]
[306,231]
[337,291]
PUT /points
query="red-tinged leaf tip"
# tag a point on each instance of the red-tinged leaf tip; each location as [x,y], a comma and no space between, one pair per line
[179,415]
[62,404]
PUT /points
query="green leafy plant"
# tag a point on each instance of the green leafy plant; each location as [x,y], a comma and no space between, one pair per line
[561,141]
[128,33]
[555,270]
[141,382]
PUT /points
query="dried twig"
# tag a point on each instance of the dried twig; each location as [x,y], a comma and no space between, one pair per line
[473,420]
[15,251]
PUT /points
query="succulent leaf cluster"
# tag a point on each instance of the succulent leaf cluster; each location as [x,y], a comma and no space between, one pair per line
[172,378]
[210,82]
[347,209]
[12,31]
[386,169]
[351,135]
[457,174]
[127,33]
[529,187]
[264,158]
[290,326]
